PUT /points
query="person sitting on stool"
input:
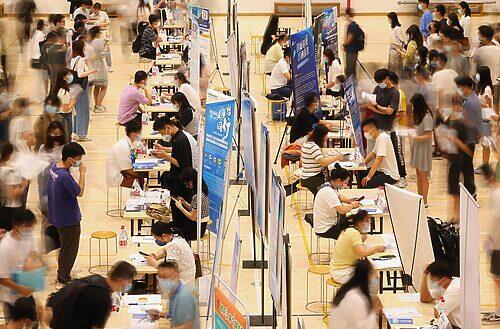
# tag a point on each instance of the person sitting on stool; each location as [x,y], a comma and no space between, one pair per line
[281,77]
[303,122]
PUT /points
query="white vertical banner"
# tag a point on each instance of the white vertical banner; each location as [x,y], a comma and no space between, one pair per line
[232,55]
[235,265]
[308,13]
[199,51]
[470,307]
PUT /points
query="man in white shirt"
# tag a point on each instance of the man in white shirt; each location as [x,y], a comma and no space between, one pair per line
[119,170]
[437,282]
[443,81]
[385,167]
[84,9]
[488,54]
[281,76]
[98,17]
[17,251]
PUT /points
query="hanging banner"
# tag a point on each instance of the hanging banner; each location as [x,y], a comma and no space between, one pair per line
[226,314]
[232,55]
[304,75]
[219,127]
[248,143]
[352,104]
[330,33]
[263,181]
[318,41]
[470,304]
[199,50]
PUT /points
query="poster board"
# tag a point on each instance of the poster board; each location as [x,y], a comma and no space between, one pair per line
[276,221]
[409,223]
[303,65]
[263,182]
[234,67]
[248,142]
[318,41]
[330,33]
[226,314]
[470,304]
[199,50]
[352,104]
[286,284]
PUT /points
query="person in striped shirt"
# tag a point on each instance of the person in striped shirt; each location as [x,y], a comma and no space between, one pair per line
[313,160]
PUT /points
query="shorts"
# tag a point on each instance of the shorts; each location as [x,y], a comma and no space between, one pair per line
[495,263]
[101,83]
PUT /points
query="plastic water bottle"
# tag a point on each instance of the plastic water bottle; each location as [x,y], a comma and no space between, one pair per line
[123,237]
[441,306]
[136,189]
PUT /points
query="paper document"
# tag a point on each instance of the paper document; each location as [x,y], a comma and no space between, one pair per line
[409,297]
[143,239]
[368,98]
[401,312]
[487,113]
[389,241]
[142,321]
[385,263]
[138,259]
[142,299]
[141,309]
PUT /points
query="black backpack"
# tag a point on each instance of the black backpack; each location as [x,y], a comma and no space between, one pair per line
[359,37]
[64,301]
[445,242]
[137,43]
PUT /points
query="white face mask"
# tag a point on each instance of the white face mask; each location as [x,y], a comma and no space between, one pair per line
[382,85]
[167,138]
[478,77]
[460,92]
[435,289]
[460,11]
[364,228]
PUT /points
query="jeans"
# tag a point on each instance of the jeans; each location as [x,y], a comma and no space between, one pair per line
[285,91]
[350,64]
[378,179]
[82,117]
[67,122]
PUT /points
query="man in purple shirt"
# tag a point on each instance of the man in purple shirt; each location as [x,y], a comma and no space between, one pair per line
[131,99]
[64,212]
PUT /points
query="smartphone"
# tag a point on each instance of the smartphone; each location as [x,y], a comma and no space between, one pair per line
[143,253]
[360,198]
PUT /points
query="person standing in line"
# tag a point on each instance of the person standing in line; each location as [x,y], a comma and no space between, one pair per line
[17,251]
[51,109]
[423,5]
[351,44]
[410,53]
[488,54]
[100,79]
[465,20]
[421,144]
[396,41]
[42,78]
[63,209]
[433,40]
[82,106]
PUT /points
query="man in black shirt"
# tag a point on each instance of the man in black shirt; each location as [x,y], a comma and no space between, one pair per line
[303,122]
[384,111]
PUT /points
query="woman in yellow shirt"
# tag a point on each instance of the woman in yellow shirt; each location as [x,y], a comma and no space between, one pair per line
[350,248]
[275,53]
[409,54]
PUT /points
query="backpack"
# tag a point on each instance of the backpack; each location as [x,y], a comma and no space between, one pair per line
[445,241]
[64,302]
[137,43]
[359,37]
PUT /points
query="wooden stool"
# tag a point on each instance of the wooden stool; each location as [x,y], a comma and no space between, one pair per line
[322,271]
[102,235]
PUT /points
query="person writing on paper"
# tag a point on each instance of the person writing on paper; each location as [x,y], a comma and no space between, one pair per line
[384,168]
[275,53]
[351,247]
[192,142]
[281,76]
[174,247]
[305,120]
[437,282]
[353,306]
[332,87]
[17,250]
[484,89]
[119,170]
[329,205]
[313,160]
[183,305]
[421,144]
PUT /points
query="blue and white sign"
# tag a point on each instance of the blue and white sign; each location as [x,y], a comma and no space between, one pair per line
[304,75]
[330,33]
[263,181]
[219,127]
[352,104]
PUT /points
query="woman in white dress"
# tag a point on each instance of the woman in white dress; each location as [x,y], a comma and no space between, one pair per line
[396,40]
[484,87]
[465,17]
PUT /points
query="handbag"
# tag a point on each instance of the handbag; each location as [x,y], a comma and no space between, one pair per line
[36,63]
[82,82]
[158,212]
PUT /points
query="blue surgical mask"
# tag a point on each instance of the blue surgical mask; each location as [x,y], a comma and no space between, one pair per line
[51,109]
[69,78]
[77,163]
[478,77]
[420,7]
[382,85]
[127,288]
[160,243]
[166,285]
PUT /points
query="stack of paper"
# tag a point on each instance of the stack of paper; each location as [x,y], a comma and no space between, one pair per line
[401,312]
[409,297]
[138,259]
[368,98]
[149,239]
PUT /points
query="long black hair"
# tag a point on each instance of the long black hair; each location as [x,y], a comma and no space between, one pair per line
[49,140]
[180,98]
[339,173]
[420,108]
[359,280]
[394,19]
[414,34]
[455,22]
[318,134]
[191,175]
[159,228]
[484,79]
[465,6]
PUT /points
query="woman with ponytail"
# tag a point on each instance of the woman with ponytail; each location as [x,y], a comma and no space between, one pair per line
[174,247]
[351,247]
[329,205]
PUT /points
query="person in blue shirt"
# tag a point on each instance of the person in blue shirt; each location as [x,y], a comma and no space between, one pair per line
[183,309]
[426,19]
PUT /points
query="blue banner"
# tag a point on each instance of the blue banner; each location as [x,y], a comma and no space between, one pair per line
[219,127]
[248,140]
[330,34]
[304,75]
[352,104]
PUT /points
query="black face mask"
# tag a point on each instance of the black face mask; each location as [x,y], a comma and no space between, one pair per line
[58,139]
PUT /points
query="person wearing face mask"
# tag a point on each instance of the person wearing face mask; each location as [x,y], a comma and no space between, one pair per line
[17,247]
[35,56]
[305,120]
[330,205]
[385,167]
[174,247]
[275,53]
[454,23]
[91,306]
[423,6]
[51,108]
[457,61]
[63,209]
[183,86]
[150,38]
[433,39]
[438,281]
[119,163]
[414,42]
[465,20]
[443,81]
[397,40]
[488,54]
[281,77]
[183,306]
[132,99]
[439,14]
[351,247]
[84,8]
[334,70]
[185,114]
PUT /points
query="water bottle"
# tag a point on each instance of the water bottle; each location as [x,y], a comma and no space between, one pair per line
[441,306]
[154,94]
[123,237]
[136,189]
